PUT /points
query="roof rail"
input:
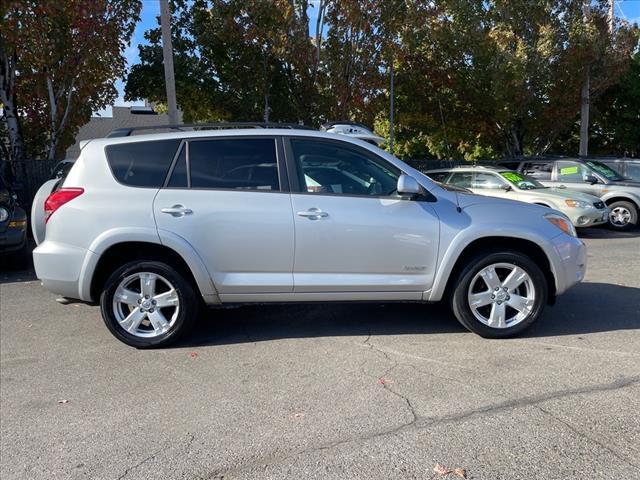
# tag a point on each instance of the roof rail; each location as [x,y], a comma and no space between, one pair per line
[127,131]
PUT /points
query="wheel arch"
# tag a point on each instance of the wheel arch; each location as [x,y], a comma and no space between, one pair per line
[617,198]
[493,243]
[109,255]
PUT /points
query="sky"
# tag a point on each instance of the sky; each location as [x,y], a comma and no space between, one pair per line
[625,9]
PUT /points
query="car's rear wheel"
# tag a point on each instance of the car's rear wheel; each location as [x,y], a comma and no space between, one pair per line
[623,215]
[148,304]
[499,294]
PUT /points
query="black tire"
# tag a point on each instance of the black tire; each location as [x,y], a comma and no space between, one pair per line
[187,312]
[624,206]
[460,302]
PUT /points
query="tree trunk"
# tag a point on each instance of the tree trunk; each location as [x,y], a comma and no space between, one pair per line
[8,100]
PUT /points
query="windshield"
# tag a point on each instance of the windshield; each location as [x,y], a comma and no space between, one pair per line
[522,181]
[605,171]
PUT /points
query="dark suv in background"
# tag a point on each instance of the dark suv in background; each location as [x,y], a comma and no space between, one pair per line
[620,194]
[13,229]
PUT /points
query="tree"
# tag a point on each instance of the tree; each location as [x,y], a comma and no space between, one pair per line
[235,60]
[501,77]
[59,61]
[615,117]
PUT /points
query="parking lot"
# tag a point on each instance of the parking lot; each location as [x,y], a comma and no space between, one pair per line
[317,391]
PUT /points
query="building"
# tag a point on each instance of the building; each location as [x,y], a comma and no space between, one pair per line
[99,127]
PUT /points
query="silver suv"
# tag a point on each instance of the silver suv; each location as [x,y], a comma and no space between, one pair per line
[155,226]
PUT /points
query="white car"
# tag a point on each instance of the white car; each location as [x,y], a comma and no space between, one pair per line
[155,226]
[583,209]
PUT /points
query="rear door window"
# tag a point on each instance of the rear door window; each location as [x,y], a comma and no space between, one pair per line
[462,179]
[141,164]
[438,176]
[538,170]
[234,164]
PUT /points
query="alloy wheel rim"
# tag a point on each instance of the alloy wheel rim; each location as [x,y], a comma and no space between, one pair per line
[620,216]
[501,295]
[146,305]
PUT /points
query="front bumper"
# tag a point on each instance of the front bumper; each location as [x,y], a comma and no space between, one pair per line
[570,265]
[587,217]
[12,239]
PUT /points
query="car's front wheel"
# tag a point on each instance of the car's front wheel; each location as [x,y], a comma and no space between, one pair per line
[148,304]
[623,215]
[499,294]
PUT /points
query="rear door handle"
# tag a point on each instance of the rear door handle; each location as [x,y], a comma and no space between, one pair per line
[313,214]
[177,211]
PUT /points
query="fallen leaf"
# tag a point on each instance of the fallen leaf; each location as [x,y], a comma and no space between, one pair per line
[63,401]
[460,472]
[441,470]
[193,354]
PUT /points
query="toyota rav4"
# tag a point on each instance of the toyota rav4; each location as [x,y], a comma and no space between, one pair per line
[155,226]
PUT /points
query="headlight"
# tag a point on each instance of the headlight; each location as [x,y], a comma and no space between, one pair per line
[4,214]
[578,204]
[563,223]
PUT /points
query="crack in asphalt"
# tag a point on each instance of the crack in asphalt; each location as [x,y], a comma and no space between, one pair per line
[130,469]
[419,423]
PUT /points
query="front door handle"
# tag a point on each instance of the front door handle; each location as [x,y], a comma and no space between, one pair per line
[313,214]
[177,211]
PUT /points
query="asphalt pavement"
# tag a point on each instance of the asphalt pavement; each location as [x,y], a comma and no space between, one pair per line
[369,391]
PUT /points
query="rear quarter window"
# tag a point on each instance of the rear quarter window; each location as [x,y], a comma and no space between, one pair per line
[142,164]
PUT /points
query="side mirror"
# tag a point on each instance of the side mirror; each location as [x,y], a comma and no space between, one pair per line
[408,186]
[506,187]
[590,179]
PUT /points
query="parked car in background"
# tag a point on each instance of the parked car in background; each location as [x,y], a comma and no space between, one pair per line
[584,210]
[629,168]
[153,226]
[589,176]
[353,129]
[13,228]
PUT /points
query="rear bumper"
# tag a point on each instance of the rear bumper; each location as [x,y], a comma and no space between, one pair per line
[570,265]
[59,267]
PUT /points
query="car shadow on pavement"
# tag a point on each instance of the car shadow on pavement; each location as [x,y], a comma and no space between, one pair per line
[587,308]
[606,233]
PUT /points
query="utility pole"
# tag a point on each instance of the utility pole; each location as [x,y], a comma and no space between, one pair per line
[584,97]
[167,54]
[391,95]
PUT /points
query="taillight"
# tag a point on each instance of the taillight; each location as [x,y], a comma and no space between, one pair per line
[59,198]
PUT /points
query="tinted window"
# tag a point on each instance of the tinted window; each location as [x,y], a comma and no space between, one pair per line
[438,176]
[487,180]
[236,164]
[329,167]
[142,164]
[510,165]
[179,174]
[538,170]
[571,172]
[461,179]
[633,171]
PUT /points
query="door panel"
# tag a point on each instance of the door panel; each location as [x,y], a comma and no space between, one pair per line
[364,244]
[237,219]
